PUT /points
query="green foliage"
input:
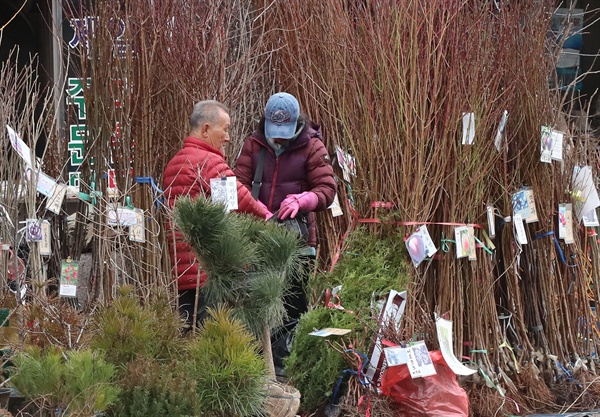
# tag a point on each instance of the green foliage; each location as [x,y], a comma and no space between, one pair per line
[38,374]
[126,329]
[263,304]
[224,362]
[370,266]
[216,239]
[153,389]
[249,261]
[78,381]
[313,365]
[88,382]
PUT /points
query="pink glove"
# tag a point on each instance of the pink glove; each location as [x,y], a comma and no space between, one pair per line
[307,201]
[269,214]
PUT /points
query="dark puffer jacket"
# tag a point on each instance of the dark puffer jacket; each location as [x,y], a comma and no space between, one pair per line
[189,174]
[303,166]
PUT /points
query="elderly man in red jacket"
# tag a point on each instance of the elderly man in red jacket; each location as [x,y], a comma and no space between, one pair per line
[189,174]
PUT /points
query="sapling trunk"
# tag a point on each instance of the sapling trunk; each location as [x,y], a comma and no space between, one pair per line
[267,352]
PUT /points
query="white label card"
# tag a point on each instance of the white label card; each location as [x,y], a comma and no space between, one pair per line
[224,191]
[54,203]
[491,221]
[418,360]
[137,232]
[44,244]
[520,229]
[468,122]
[395,355]
[336,209]
[121,216]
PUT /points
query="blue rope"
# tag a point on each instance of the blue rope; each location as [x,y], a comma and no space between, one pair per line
[558,248]
[364,380]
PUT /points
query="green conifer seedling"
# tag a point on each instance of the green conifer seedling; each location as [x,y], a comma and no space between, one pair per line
[249,263]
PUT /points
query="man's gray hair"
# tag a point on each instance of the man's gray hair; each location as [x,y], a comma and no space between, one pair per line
[206,111]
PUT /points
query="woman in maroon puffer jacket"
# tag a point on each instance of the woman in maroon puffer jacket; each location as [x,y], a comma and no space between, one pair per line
[297,180]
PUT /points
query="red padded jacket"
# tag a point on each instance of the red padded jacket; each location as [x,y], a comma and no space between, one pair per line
[188,173]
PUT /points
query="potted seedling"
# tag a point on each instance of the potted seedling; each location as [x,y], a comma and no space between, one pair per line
[249,263]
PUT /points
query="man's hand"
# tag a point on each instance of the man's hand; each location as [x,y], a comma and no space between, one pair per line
[268,214]
[293,203]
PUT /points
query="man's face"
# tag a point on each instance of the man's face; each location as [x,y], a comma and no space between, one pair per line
[217,133]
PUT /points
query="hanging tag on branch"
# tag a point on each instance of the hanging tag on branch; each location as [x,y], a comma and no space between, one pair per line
[120,216]
[418,360]
[551,145]
[464,237]
[591,219]
[491,221]
[584,194]
[45,184]
[500,133]
[69,278]
[346,162]
[565,222]
[224,191]
[137,232]
[19,146]
[524,205]
[44,244]
[420,245]
[33,230]
[468,131]
[54,203]
[335,207]
[520,229]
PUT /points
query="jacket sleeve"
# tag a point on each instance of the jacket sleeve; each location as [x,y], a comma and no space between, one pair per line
[320,174]
[243,165]
[246,204]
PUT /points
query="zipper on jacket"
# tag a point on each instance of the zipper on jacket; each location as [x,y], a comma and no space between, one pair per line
[273,183]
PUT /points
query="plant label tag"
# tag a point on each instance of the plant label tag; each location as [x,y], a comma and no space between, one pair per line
[54,203]
[591,219]
[121,216]
[45,184]
[330,331]
[137,232]
[468,122]
[491,222]
[224,191]
[464,236]
[500,132]
[44,244]
[33,230]
[546,145]
[520,229]
[461,237]
[557,145]
[562,221]
[395,356]
[565,222]
[418,360]
[336,209]
[585,195]
[19,146]
[69,272]
[524,204]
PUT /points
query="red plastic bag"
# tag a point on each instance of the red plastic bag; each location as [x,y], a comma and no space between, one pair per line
[437,395]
